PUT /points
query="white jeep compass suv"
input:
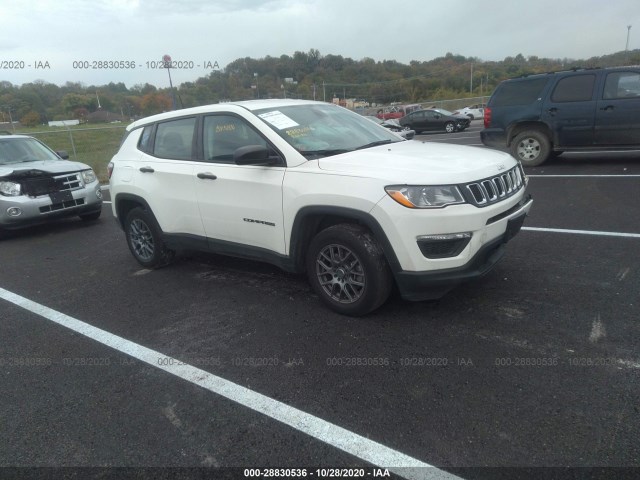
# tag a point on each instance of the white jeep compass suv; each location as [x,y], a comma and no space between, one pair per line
[315,188]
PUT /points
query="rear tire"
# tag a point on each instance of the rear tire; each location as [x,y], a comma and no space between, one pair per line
[145,240]
[347,268]
[531,148]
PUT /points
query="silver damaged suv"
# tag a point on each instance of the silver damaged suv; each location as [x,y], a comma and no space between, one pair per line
[38,185]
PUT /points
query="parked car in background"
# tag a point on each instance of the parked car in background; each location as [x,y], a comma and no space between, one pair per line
[435,119]
[394,126]
[38,185]
[473,112]
[397,111]
[538,116]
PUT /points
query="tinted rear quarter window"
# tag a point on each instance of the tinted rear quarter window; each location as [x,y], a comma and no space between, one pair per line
[519,92]
[144,143]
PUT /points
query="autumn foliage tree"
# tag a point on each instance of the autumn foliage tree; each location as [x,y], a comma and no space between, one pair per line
[30,119]
[155,102]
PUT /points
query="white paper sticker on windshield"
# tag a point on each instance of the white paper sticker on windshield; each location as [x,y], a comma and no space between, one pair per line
[278,120]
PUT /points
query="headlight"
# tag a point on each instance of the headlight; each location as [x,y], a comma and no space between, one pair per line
[425,196]
[88,176]
[10,189]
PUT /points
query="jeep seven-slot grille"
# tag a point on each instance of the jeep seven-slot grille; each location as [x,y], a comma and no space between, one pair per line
[494,189]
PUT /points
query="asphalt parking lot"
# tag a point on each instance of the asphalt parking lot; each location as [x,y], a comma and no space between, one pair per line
[222,363]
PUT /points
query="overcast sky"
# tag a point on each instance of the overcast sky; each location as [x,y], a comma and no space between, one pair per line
[56,33]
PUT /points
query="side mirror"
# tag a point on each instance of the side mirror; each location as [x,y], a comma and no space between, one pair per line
[253,155]
[62,154]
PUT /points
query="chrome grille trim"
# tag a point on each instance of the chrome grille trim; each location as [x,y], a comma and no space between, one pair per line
[70,181]
[494,189]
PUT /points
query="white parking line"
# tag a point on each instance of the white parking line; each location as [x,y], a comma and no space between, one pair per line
[583,232]
[338,437]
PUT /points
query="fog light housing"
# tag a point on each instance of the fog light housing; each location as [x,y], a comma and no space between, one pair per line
[443,245]
[14,211]
[99,193]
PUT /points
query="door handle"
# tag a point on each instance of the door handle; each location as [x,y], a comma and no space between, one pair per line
[147,170]
[207,176]
[552,111]
[608,107]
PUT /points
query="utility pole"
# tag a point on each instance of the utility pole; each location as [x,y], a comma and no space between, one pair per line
[167,64]
[324,92]
[471,80]
[626,48]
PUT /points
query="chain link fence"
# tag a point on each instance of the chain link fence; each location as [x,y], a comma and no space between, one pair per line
[93,146]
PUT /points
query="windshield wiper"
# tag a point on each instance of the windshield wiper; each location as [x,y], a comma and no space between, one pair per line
[375,144]
[325,153]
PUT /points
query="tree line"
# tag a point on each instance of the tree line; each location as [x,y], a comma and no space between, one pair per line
[306,75]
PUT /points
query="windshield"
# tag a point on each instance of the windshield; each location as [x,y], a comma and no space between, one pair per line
[443,111]
[21,150]
[319,130]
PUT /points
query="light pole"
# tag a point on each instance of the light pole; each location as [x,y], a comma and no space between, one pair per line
[167,64]
[471,79]
[626,48]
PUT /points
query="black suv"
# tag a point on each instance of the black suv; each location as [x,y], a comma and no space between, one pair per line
[538,116]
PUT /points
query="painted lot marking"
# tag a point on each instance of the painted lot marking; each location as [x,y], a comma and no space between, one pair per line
[338,437]
[583,232]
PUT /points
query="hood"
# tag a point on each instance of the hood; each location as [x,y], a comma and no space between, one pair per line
[414,162]
[50,166]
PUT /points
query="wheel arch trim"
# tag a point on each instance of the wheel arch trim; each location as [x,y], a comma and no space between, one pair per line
[308,218]
[122,199]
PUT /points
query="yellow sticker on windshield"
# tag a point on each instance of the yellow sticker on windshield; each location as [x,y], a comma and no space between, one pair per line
[230,127]
[298,132]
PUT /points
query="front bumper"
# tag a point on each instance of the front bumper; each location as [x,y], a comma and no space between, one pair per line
[430,285]
[41,209]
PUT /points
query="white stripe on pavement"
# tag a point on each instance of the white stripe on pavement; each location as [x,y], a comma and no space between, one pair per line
[583,232]
[345,440]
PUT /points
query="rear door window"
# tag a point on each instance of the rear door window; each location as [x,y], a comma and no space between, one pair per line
[174,139]
[622,85]
[576,88]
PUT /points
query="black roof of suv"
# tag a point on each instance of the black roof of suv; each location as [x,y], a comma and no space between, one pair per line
[537,116]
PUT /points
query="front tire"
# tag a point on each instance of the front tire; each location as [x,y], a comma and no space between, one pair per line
[347,268]
[145,240]
[449,127]
[531,147]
